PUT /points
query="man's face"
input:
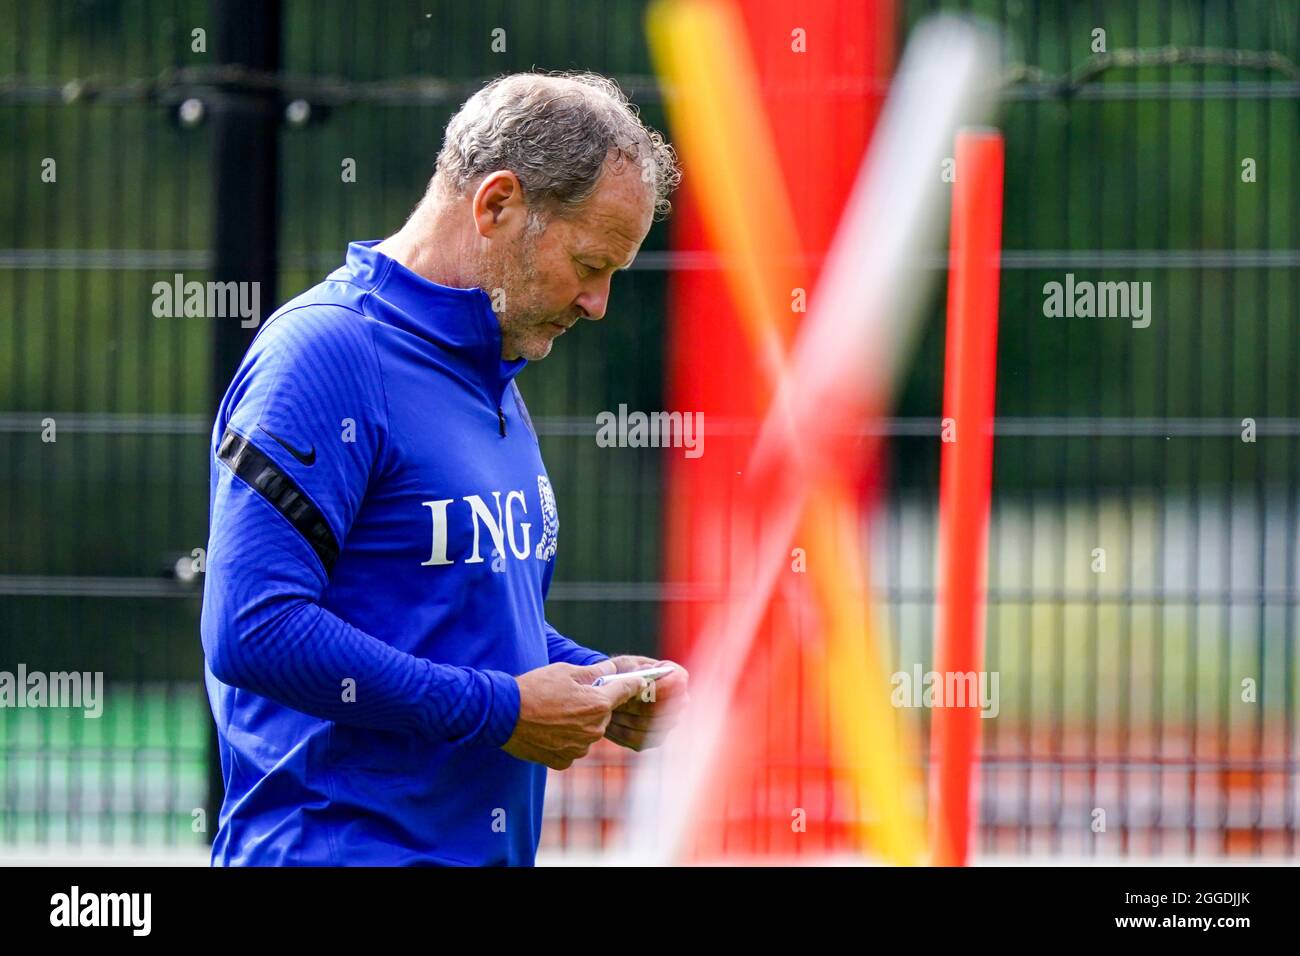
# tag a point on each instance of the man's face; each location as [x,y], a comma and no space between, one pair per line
[549,281]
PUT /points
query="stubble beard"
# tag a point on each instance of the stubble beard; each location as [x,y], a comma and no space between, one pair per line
[512,281]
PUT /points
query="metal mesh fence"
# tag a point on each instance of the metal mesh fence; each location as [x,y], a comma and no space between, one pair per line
[1143,573]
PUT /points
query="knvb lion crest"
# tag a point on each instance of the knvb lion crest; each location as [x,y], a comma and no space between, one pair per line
[550,520]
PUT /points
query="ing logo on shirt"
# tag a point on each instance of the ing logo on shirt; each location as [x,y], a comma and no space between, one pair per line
[501,522]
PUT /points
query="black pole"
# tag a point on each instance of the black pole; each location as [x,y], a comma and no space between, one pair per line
[245,125]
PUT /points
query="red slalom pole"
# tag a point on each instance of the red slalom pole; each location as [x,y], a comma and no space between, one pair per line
[965,487]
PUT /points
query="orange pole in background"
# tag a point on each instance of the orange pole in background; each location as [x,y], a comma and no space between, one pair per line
[965,488]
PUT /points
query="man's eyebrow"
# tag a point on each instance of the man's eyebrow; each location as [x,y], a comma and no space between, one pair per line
[606,261]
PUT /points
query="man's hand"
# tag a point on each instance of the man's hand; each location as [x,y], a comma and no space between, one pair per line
[646,718]
[561,714]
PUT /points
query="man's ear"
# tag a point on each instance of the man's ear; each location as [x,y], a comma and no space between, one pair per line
[499,204]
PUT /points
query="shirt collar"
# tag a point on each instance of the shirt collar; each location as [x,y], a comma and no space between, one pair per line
[461,321]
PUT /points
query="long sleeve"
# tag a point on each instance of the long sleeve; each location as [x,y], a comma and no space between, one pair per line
[300,436]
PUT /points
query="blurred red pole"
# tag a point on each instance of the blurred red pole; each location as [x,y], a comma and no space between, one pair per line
[821,104]
[822,67]
[966,477]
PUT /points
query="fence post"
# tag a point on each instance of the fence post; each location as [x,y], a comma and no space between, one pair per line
[245,163]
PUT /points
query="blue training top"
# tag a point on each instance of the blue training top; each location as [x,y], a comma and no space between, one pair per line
[383,535]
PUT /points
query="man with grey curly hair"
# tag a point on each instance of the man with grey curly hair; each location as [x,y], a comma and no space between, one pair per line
[384,682]
[561,180]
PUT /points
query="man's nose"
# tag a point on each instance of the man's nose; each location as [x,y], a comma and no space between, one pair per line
[592,302]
